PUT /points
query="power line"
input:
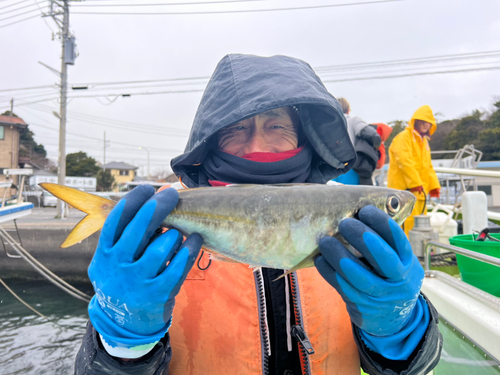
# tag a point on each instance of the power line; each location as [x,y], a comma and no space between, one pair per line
[163,4]
[238,11]
[11,5]
[29,88]
[20,14]
[15,10]
[413,60]
[131,126]
[24,19]
[318,69]
[410,69]
[412,74]
[116,95]
[143,81]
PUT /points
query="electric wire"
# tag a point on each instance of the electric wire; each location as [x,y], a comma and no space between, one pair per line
[483,54]
[324,80]
[138,127]
[458,55]
[30,88]
[43,18]
[237,11]
[163,4]
[24,19]
[20,14]
[392,64]
[412,74]
[15,10]
[477,65]
[11,5]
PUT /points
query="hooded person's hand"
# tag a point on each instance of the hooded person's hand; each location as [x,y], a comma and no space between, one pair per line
[135,288]
[381,291]
[434,193]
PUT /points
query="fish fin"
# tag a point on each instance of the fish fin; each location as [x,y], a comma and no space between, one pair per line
[305,263]
[97,209]
[86,227]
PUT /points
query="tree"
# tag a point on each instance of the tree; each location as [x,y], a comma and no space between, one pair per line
[397,127]
[494,121]
[80,164]
[28,139]
[105,181]
[466,132]
[489,139]
[437,139]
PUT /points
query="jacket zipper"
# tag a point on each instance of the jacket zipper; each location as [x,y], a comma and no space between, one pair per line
[264,328]
[298,331]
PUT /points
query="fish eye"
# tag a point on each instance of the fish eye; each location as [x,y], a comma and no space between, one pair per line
[393,204]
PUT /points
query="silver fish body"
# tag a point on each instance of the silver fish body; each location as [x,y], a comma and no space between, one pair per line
[277,226]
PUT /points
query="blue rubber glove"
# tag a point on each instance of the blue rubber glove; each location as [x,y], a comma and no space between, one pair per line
[135,289]
[383,299]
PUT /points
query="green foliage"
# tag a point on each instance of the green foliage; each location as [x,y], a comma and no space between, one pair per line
[105,181]
[80,164]
[466,132]
[489,144]
[28,140]
[397,127]
[494,121]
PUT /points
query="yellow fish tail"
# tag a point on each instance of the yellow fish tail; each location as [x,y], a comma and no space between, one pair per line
[97,210]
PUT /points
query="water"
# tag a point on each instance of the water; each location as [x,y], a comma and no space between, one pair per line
[30,344]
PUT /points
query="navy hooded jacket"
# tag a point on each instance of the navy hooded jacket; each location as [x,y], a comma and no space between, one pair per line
[243,86]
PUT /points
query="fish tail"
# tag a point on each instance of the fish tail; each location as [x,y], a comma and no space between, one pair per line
[305,263]
[97,209]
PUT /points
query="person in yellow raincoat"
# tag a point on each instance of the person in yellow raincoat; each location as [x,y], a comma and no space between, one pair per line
[410,166]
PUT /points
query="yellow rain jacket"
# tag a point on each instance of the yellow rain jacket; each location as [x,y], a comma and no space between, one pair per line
[410,162]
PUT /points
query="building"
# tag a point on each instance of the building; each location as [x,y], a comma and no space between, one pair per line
[10,129]
[122,172]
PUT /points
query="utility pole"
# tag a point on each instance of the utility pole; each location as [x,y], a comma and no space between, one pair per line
[61,173]
[58,9]
[12,106]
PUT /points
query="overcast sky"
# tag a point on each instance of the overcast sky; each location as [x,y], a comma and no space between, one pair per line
[458,35]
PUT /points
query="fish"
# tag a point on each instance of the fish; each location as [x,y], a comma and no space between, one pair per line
[274,226]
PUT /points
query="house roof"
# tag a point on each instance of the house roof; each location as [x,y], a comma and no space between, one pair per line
[119,165]
[12,120]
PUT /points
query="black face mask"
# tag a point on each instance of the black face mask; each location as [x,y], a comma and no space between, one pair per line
[224,167]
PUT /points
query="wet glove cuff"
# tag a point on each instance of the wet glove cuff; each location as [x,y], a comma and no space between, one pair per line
[119,342]
[402,344]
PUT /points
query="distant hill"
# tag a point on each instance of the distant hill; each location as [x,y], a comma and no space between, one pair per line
[437,141]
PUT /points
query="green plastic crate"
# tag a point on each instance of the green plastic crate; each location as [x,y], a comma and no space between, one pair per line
[474,272]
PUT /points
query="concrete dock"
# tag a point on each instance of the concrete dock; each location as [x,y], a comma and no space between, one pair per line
[41,235]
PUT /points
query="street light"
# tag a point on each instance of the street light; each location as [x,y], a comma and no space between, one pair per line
[144,148]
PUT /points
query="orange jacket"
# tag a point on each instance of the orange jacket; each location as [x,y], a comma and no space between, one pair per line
[384,131]
[216,326]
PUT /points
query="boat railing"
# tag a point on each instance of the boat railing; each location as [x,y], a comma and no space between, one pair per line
[429,245]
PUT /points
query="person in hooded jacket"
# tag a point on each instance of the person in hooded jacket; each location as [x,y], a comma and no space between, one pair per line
[410,165]
[366,142]
[261,120]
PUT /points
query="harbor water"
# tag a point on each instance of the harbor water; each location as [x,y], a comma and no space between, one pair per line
[31,344]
